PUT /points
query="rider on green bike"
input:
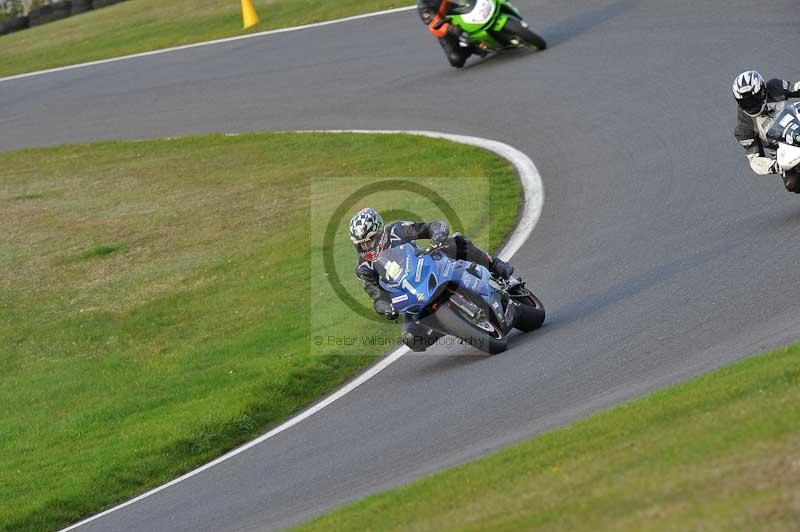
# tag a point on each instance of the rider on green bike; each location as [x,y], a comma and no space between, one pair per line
[456,47]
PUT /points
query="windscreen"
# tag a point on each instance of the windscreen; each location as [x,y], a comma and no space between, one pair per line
[460,7]
[396,262]
[786,126]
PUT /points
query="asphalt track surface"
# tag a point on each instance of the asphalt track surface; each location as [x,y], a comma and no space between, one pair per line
[658,255]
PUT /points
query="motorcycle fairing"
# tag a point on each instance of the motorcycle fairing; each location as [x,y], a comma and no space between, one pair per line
[474,17]
[788,156]
[785,126]
[785,130]
[418,279]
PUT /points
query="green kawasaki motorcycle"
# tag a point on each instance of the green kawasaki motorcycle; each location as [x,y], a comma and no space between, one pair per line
[493,25]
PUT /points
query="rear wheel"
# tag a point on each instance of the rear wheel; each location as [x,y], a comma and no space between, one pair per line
[530,313]
[484,334]
[519,28]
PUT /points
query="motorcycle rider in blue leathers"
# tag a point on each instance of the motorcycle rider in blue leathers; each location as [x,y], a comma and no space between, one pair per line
[371,237]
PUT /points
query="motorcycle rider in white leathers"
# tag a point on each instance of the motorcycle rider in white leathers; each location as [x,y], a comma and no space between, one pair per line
[759,102]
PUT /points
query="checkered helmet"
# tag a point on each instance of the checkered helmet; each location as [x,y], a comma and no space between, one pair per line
[367,234]
[750,92]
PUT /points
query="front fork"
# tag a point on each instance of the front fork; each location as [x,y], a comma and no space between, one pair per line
[509,8]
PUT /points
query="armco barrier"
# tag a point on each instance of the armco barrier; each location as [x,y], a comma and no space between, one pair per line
[52,12]
[103,3]
[14,24]
[46,14]
[80,6]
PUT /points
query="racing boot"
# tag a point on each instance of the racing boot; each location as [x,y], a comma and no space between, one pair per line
[466,250]
[501,268]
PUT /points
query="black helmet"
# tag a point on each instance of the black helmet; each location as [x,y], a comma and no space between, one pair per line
[750,92]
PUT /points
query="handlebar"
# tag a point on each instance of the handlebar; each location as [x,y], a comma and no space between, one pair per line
[431,249]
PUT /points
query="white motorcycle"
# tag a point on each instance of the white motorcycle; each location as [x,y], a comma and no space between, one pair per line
[785,130]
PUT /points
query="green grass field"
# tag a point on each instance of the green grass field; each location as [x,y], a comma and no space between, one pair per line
[717,453]
[142,25]
[158,298]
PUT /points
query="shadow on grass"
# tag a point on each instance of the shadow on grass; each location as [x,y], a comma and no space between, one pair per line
[97,252]
[102,251]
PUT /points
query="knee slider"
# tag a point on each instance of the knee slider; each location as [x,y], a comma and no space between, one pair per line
[413,342]
[408,338]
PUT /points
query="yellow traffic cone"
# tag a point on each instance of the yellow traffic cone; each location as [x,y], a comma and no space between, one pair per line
[249,15]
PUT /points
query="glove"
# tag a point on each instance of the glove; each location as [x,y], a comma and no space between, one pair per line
[439,233]
[438,240]
[438,26]
[385,309]
[441,22]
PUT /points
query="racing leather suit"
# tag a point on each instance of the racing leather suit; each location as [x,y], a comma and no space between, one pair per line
[432,12]
[751,131]
[457,246]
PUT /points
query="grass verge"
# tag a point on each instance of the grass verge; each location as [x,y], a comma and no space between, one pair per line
[716,453]
[143,25]
[156,298]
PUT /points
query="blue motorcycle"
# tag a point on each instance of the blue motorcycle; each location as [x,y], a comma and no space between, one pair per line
[457,297]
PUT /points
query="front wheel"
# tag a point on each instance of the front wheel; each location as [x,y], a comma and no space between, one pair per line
[483,335]
[530,313]
[520,29]
[791,180]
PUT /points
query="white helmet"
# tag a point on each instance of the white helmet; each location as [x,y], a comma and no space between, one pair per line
[750,92]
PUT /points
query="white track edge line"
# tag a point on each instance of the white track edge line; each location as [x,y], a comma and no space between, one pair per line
[533,194]
[208,43]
